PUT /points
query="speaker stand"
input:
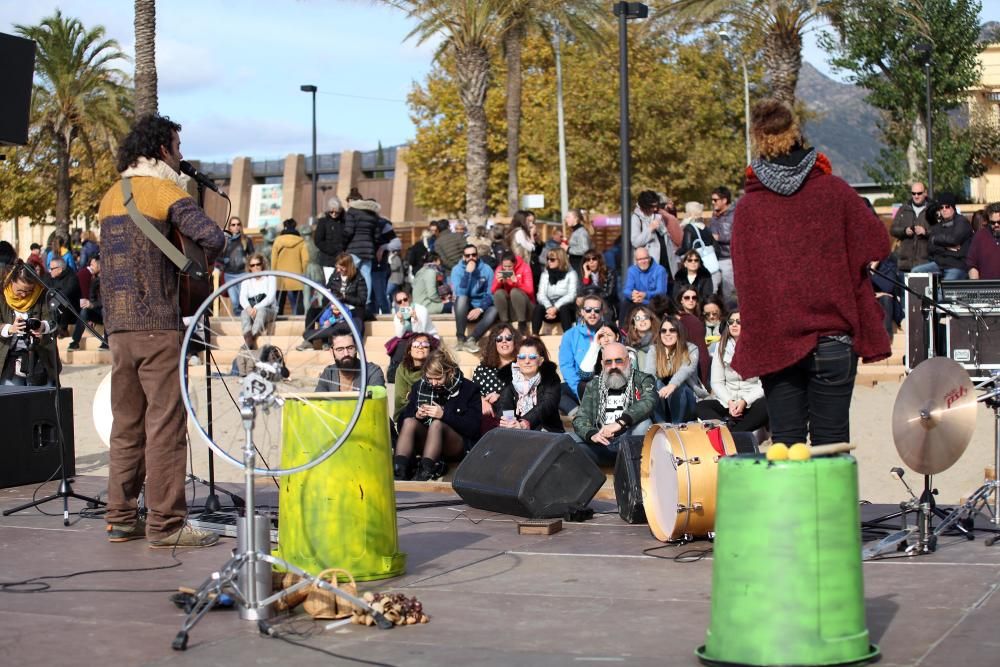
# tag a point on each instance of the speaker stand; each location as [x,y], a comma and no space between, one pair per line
[65,488]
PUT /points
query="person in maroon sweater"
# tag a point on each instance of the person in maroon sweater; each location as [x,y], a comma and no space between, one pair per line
[984,253]
[802,241]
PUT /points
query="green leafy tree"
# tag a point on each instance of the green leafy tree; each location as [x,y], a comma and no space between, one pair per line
[80,97]
[894,76]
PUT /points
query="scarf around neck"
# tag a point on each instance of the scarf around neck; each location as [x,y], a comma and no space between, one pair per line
[21,304]
[555,275]
[786,179]
[527,391]
[428,393]
[154,168]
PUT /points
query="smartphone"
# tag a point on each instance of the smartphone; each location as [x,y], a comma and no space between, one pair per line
[508,415]
[506,275]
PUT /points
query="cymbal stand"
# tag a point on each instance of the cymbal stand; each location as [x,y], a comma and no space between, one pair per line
[248,572]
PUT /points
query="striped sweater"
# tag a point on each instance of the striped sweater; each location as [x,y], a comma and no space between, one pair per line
[138,282]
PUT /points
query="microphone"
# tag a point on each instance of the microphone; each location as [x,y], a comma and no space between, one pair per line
[200,178]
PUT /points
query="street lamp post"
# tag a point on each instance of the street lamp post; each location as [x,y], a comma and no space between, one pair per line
[625,11]
[924,52]
[308,88]
[728,39]
[563,179]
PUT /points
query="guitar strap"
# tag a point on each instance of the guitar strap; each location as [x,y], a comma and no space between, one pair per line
[159,240]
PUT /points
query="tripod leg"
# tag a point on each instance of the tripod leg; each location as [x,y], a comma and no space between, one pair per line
[205,598]
[33,503]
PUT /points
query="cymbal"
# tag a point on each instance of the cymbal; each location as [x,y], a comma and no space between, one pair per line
[934,416]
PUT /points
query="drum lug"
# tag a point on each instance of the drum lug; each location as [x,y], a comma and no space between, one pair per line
[678,461]
[697,507]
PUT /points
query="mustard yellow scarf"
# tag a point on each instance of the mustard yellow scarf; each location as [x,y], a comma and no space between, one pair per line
[21,304]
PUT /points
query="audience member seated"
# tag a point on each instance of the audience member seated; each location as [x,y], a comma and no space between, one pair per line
[257,299]
[64,281]
[984,251]
[574,347]
[693,275]
[470,281]
[591,364]
[430,289]
[416,350]
[947,241]
[513,291]
[530,396]
[885,276]
[712,315]
[736,401]
[675,366]
[408,319]
[597,278]
[642,328]
[440,421]
[344,374]
[496,351]
[696,235]
[91,308]
[26,351]
[618,403]
[645,280]
[556,294]
[347,285]
[689,314]
[689,301]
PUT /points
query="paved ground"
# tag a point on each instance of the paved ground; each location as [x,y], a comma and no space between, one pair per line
[589,594]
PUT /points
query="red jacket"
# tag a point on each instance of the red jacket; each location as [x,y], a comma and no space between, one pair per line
[800,265]
[522,279]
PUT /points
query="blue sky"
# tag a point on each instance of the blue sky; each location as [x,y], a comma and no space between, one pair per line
[230,71]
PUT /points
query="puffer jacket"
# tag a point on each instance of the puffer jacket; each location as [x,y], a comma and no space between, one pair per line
[556,295]
[361,228]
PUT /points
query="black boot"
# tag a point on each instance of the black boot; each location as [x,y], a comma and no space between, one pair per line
[430,470]
[401,467]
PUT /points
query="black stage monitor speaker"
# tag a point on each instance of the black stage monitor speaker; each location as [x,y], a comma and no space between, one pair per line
[30,451]
[17,56]
[527,473]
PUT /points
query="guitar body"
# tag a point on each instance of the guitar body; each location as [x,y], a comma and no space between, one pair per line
[192,290]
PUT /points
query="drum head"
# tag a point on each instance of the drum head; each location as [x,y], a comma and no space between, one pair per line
[659,482]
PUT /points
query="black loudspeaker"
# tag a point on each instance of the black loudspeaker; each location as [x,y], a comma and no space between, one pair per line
[628,488]
[30,452]
[527,473]
[18,58]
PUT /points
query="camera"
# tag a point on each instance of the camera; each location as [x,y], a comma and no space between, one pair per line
[406,312]
[34,324]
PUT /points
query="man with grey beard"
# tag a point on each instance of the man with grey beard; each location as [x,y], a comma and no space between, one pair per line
[616,404]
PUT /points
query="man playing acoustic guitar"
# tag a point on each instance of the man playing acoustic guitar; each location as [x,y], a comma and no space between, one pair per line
[143,322]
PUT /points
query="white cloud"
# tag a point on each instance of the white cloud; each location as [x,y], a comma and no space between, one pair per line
[221,138]
[183,67]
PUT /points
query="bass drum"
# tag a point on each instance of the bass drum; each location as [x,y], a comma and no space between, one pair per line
[678,476]
[103,415]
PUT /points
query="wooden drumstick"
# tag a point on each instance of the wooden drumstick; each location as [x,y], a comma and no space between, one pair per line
[835,448]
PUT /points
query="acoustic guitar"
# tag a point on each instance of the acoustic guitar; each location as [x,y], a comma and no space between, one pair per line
[195,284]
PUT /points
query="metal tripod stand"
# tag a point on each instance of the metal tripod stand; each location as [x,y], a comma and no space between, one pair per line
[248,572]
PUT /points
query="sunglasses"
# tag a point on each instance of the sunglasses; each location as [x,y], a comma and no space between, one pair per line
[713,314]
[472,256]
[591,309]
[610,363]
[689,298]
[692,259]
[256,265]
[917,194]
[504,338]
[403,300]
[640,318]
[235,224]
[668,330]
[552,259]
[421,345]
[522,357]
[733,323]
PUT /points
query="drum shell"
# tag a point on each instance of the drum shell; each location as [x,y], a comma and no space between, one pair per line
[787,586]
[342,512]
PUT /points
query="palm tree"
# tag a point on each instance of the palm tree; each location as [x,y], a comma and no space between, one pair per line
[575,17]
[471,30]
[80,95]
[145,57]
[780,25]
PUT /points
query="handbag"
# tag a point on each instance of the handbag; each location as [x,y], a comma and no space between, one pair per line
[707,253]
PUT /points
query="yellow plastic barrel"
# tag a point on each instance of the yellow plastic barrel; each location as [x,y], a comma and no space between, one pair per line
[787,585]
[342,512]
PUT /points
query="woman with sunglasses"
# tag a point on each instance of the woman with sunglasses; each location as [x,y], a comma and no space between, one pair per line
[408,319]
[234,260]
[597,278]
[417,349]
[440,420]
[642,327]
[713,314]
[693,275]
[257,301]
[580,239]
[556,294]
[689,301]
[497,350]
[532,388]
[675,366]
[735,400]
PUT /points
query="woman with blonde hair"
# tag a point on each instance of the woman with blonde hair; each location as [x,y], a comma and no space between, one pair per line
[556,294]
[440,421]
[675,366]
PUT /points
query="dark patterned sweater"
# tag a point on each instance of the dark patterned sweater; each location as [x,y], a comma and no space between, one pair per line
[138,282]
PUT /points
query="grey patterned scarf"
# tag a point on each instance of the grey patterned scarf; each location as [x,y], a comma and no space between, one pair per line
[784,179]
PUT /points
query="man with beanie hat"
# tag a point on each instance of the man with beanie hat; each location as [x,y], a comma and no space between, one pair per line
[984,252]
[947,241]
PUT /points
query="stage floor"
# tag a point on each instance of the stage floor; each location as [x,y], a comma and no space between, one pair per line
[585,595]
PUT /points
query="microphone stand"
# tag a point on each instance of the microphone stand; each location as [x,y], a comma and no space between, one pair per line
[65,491]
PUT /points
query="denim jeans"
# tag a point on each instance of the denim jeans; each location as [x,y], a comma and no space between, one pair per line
[946,274]
[365,267]
[462,307]
[678,408]
[814,395]
[234,291]
[377,300]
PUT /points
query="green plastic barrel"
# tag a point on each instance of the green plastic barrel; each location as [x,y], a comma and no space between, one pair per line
[787,585]
[342,512]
